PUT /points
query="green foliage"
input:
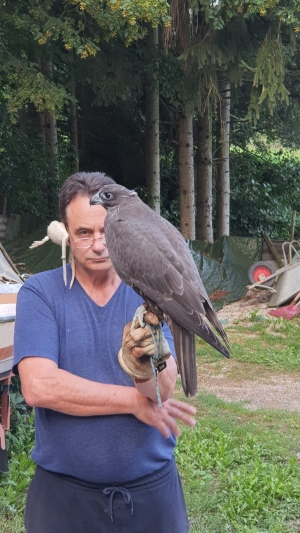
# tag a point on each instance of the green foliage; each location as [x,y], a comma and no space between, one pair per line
[31,32]
[123,18]
[20,71]
[264,192]
[258,489]
[220,12]
[20,439]
[28,85]
[29,177]
[269,74]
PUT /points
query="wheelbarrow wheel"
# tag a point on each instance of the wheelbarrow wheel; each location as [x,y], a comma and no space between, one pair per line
[261,268]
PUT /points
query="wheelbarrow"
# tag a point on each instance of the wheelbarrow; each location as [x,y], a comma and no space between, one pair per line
[288,282]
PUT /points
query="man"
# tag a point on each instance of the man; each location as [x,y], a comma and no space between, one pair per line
[104,448]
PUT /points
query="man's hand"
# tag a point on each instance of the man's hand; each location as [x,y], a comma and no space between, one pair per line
[138,345]
[164,418]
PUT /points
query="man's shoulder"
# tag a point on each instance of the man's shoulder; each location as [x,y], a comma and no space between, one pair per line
[45,280]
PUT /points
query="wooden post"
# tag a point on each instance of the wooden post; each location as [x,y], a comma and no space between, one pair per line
[292,234]
[273,251]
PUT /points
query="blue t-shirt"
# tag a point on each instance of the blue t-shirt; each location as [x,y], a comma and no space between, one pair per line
[69,328]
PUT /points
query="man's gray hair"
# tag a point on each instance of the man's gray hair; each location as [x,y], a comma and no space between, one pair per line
[83,184]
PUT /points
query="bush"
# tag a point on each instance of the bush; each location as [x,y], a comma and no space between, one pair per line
[20,440]
[264,192]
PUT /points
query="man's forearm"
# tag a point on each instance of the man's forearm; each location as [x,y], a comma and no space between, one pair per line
[45,385]
[166,382]
[57,389]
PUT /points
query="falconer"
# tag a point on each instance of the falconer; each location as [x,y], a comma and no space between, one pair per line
[104,448]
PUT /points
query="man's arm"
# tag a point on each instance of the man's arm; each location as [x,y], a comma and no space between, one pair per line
[45,385]
[166,382]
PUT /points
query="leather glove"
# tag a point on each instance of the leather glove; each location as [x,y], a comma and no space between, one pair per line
[138,345]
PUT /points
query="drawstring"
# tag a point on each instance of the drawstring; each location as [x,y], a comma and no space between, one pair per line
[111,491]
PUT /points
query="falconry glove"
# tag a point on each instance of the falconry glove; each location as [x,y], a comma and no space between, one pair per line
[140,345]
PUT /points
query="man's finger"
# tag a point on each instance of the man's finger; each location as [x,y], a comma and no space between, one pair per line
[141,333]
[139,351]
[181,411]
[151,318]
[186,407]
[166,426]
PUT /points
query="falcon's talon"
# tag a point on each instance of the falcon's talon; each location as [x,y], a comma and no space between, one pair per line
[139,314]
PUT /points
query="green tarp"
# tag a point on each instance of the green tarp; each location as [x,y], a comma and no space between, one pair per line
[223,266]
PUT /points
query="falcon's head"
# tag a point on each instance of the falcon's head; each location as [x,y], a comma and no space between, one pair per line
[111,195]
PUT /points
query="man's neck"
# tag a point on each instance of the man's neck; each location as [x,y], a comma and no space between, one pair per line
[100,286]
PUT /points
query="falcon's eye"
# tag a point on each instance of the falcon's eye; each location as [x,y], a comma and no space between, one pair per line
[107,195]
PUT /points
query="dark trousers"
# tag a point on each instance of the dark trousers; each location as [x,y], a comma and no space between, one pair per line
[61,504]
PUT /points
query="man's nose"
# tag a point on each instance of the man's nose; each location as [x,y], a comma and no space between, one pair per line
[98,244]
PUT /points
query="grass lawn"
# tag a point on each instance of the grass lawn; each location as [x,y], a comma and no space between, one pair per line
[240,468]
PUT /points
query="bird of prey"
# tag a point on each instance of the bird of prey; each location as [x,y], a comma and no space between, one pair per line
[150,254]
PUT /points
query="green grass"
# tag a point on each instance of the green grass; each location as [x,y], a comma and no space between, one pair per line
[272,343]
[239,469]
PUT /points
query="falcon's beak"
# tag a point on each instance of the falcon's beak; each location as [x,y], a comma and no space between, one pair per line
[96,199]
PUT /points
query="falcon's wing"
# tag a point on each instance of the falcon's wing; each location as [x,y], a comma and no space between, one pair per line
[149,255]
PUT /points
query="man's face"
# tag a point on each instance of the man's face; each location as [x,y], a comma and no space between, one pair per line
[86,221]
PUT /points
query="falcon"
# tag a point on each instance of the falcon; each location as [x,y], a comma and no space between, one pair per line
[150,255]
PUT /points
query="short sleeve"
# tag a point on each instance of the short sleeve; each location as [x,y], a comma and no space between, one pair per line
[36,330]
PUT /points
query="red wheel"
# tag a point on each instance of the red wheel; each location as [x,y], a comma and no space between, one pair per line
[259,269]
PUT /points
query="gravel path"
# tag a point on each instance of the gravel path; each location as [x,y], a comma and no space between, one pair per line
[237,382]
[270,391]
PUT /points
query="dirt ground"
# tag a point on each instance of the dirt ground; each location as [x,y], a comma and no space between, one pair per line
[255,299]
[239,382]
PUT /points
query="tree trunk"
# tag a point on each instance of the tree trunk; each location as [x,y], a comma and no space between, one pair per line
[40,124]
[4,205]
[51,139]
[39,116]
[152,128]
[83,133]
[186,174]
[204,227]
[22,119]
[74,128]
[222,154]
[50,124]
[51,133]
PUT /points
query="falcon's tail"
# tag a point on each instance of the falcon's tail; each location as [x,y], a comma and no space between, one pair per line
[184,342]
[215,322]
